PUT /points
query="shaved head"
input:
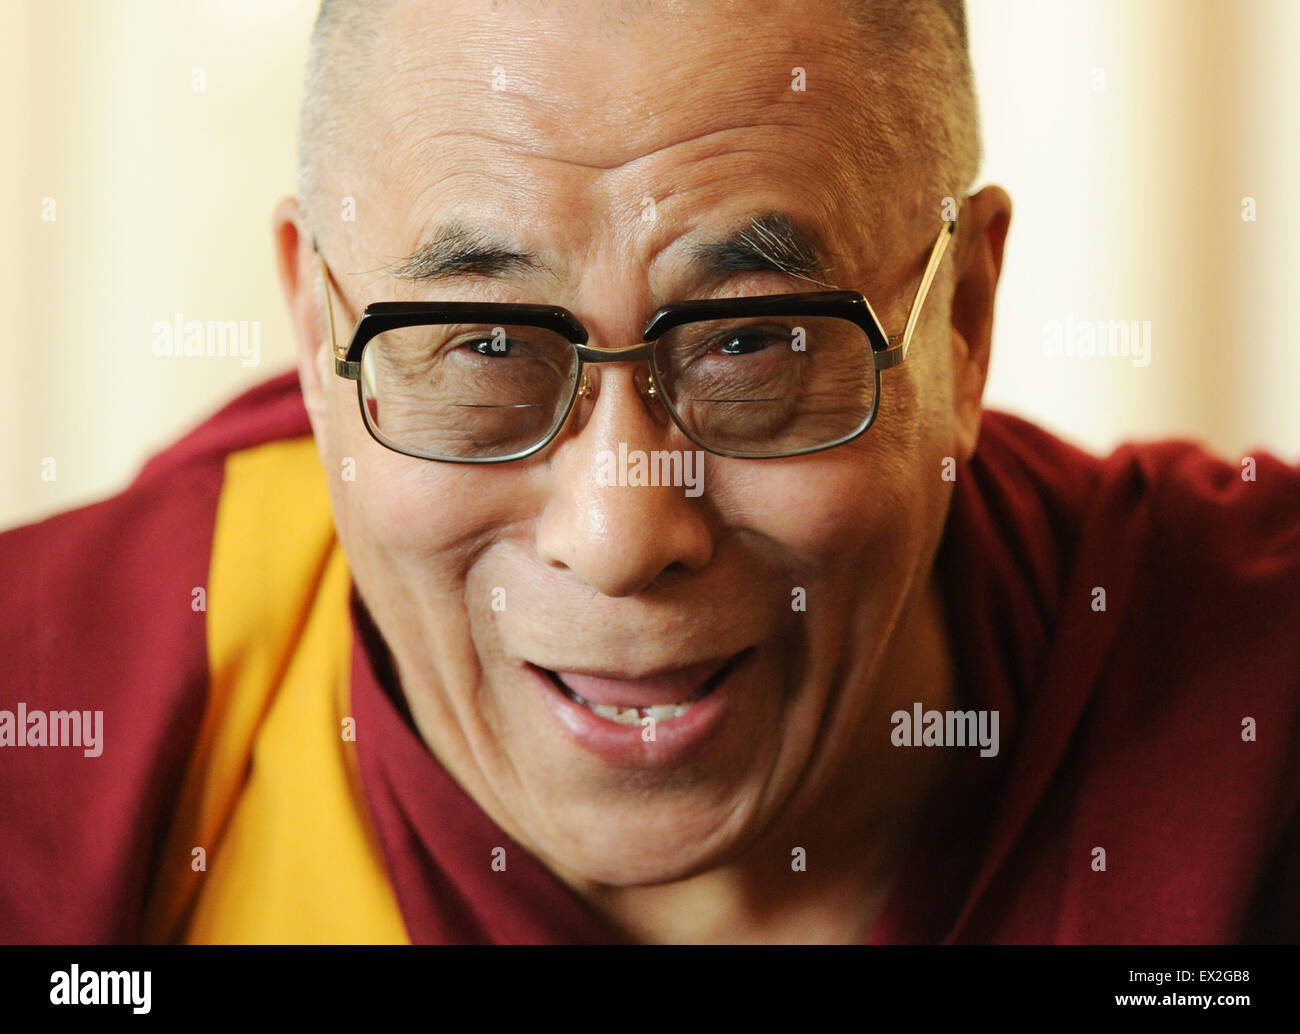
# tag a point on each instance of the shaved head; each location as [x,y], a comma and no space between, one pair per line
[915,53]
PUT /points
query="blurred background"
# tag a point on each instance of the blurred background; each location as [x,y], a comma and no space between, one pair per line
[1151,150]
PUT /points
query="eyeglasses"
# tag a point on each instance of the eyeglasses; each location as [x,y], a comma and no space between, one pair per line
[754,378]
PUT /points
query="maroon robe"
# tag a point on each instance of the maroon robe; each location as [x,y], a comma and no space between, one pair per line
[1120,728]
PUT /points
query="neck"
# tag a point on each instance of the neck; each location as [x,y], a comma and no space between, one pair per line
[853,838]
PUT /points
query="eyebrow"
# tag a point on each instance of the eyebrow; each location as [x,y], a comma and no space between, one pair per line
[770,242]
[456,249]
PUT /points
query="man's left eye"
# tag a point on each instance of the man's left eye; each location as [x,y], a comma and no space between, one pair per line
[745,342]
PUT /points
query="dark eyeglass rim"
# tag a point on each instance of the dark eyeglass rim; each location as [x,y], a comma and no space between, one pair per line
[852,306]
[716,450]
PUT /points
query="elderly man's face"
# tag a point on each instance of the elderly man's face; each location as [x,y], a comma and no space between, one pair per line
[549,124]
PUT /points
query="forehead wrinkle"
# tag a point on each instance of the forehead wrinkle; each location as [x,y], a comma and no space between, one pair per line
[806,147]
[753,247]
[546,109]
[539,123]
[518,37]
[802,161]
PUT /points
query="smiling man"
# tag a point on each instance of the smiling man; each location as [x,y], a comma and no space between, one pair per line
[630,558]
[644,162]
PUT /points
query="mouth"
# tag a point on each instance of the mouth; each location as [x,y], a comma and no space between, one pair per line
[664,697]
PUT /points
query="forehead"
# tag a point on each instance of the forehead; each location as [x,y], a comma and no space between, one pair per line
[570,119]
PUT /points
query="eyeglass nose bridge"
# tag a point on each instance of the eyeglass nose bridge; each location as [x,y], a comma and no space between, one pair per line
[643,352]
[632,354]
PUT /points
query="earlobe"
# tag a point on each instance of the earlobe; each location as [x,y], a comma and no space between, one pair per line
[968,394]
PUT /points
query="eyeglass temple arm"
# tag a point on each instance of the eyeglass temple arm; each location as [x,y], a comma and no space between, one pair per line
[341,365]
[897,353]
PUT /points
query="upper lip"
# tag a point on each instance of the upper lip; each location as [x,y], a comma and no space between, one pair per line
[633,673]
[678,684]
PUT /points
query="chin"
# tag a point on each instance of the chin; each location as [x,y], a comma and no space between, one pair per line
[634,853]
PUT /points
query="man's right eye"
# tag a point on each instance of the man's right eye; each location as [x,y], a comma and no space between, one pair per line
[497,345]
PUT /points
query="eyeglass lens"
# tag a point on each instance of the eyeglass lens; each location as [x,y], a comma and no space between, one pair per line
[754,386]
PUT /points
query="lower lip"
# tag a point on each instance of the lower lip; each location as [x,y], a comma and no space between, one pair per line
[624,744]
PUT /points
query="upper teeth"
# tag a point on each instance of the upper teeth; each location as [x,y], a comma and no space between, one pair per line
[634,715]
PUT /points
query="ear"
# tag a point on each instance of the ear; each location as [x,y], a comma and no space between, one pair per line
[985,218]
[299,275]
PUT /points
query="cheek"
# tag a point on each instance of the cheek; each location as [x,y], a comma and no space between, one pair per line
[871,500]
[830,509]
[393,508]
[424,522]
[414,533]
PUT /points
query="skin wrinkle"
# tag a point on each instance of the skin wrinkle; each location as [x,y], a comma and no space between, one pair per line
[624,578]
[348,40]
[660,297]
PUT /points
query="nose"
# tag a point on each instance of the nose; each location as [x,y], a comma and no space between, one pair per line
[612,516]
